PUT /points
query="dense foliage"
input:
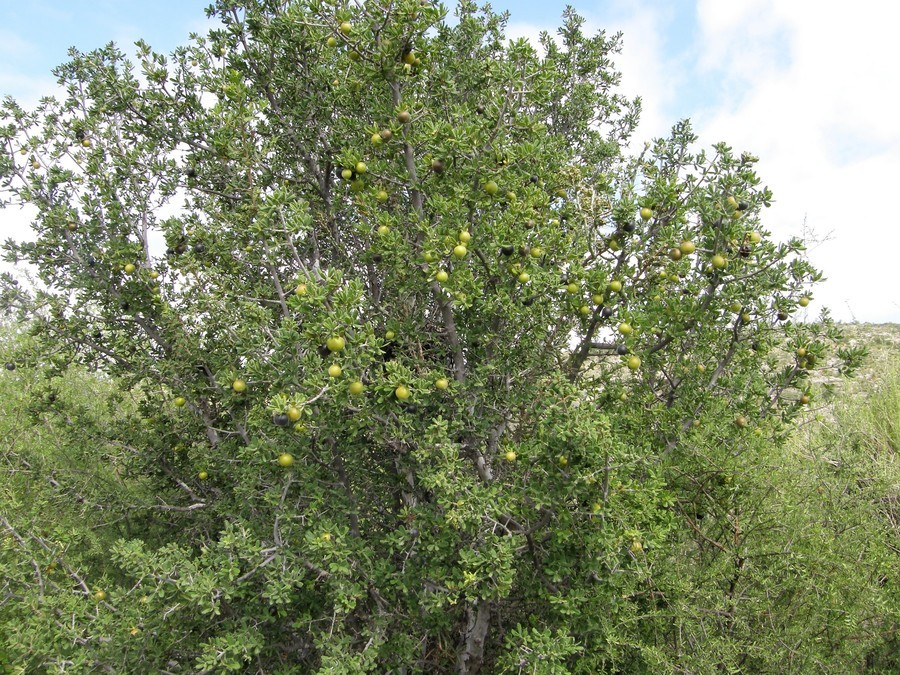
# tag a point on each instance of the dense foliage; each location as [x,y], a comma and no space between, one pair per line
[404,364]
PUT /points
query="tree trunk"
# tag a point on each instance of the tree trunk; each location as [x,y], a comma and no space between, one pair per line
[471,656]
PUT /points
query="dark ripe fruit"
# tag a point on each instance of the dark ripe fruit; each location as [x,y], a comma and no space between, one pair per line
[534,180]
[745,251]
[782,316]
[528,302]
[437,165]
[621,350]
[91,261]
[507,250]
[191,172]
[376,258]
[386,134]
[743,205]
[124,305]
[324,351]
[606,312]
[80,135]
[281,420]
[525,250]
[404,117]
[628,227]
[199,248]
[97,335]
[479,109]
[10,366]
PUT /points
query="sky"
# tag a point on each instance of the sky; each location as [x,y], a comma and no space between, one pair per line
[811,87]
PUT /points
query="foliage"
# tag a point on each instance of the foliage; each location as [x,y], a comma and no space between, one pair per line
[566,355]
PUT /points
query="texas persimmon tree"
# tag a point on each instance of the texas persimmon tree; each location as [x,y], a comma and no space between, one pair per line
[413,348]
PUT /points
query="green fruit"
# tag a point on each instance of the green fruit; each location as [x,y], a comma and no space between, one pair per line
[731,202]
[383,230]
[615,285]
[740,421]
[334,370]
[356,387]
[536,251]
[346,27]
[524,277]
[361,168]
[239,386]
[718,262]
[646,213]
[687,247]
[460,251]
[300,290]
[286,459]
[381,196]
[404,117]
[293,413]
[203,475]
[179,402]
[584,310]
[510,456]
[625,328]
[336,344]
[491,188]
[129,268]
[401,392]
[755,237]
[465,237]
[389,335]
[803,302]
[442,383]
[331,41]
[377,139]
[347,174]
[633,362]
[675,254]
[572,288]
[442,276]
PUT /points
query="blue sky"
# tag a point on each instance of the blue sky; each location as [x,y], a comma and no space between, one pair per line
[809,86]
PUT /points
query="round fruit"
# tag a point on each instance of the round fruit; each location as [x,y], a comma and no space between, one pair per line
[334,370]
[536,252]
[381,196]
[301,289]
[803,302]
[510,456]
[10,365]
[239,386]
[614,245]
[336,343]
[361,168]
[597,299]
[442,383]
[129,268]
[281,420]
[437,165]
[615,285]
[563,460]
[465,236]
[735,307]
[572,288]
[409,58]
[383,230]
[804,399]
[404,117]
[347,174]
[299,426]
[491,188]
[524,277]
[346,27]
[154,274]
[179,402]
[376,139]
[357,186]
[293,413]
[675,254]
[389,335]
[86,142]
[636,546]
[740,421]
[442,276]
[646,213]
[202,475]
[634,362]
[460,251]
[331,41]
[755,237]
[326,536]
[401,392]
[584,310]
[687,247]
[286,459]
[100,596]
[625,328]
[718,262]
[746,317]
[72,226]
[356,387]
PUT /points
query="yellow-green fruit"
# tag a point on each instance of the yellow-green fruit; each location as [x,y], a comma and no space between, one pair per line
[100,596]
[718,262]
[334,370]
[460,251]
[572,288]
[293,413]
[239,386]
[404,117]
[755,237]
[687,247]
[746,317]
[675,254]
[615,285]
[634,362]
[804,399]
[346,27]
[536,251]
[347,174]
[584,310]
[202,475]
[646,213]
[401,392]
[491,188]
[361,168]
[301,289]
[524,277]
[179,401]
[735,307]
[286,459]
[596,298]
[376,139]
[731,202]
[383,230]
[331,42]
[625,328]
[409,58]
[381,196]
[326,536]
[129,268]
[442,276]
[356,387]
[740,421]
[614,245]
[636,546]
[86,142]
[154,274]
[442,383]
[465,237]
[510,456]
[563,460]
[336,343]
[803,302]
[357,186]
[389,335]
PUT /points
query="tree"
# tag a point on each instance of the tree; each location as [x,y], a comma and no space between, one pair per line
[341,207]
